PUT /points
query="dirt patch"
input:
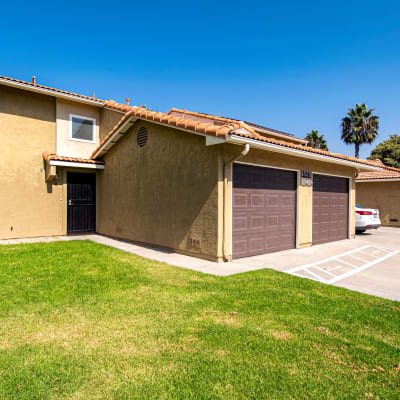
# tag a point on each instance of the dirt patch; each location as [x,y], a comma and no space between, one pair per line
[281,335]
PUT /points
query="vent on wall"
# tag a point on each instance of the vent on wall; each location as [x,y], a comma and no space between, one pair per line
[142,136]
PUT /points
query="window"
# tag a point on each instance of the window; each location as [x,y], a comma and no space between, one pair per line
[82,128]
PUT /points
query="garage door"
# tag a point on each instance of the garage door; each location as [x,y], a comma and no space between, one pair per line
[264,210]
[330,208]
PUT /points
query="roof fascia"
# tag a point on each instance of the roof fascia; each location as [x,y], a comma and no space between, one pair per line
[49,92]
[378,180]
[299,153]
[74,164]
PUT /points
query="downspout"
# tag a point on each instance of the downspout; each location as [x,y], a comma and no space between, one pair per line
[226,218]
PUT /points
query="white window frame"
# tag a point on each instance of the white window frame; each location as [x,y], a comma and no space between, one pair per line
[82,117]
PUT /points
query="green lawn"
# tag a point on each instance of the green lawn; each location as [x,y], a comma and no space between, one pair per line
[79,320]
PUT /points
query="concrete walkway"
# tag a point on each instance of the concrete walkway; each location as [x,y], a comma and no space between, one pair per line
[153,253]
[381,278]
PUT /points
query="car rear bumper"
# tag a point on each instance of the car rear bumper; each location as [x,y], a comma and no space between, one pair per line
[369,226]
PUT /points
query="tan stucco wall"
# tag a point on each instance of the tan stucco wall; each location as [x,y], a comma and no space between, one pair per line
[165,193]
[108,119]
[272,159]
[28,205]
[66,146]
[384,196]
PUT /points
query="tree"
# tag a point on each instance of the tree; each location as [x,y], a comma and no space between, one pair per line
[317,141]
[360,126]
[388,151]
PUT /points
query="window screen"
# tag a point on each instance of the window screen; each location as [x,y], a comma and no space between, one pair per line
[82,128]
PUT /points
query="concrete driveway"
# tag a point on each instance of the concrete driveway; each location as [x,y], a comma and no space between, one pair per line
[368,264]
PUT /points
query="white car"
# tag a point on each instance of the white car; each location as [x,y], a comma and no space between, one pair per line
[367,218]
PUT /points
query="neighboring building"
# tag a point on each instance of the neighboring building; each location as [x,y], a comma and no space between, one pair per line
[381,190]
[213,187]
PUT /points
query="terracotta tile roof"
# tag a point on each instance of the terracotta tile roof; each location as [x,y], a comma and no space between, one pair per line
[49,156]
[224,119]
[385,173]
[378,162]
[183,123]
[231,127]
[117,106]
[6,79]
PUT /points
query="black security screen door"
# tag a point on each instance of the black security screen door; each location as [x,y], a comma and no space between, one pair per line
[81,215]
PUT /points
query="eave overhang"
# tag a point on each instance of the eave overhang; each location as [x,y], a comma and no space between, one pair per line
[235,139]
[51,92]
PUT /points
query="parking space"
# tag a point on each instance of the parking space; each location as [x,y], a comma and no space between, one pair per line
[342,266]
[369,264]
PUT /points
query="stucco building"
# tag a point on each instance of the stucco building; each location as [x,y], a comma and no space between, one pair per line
[213,187]
[381,190]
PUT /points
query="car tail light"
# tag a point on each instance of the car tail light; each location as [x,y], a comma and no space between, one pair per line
[364,212]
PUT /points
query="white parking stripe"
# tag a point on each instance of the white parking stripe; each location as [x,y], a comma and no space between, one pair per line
[325,271]
[354,269]
[371,254]
[347,263]
[328,259]
[358,258]
[312,273]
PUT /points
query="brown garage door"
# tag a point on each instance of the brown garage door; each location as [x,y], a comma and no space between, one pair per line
[264,210]
[330,208]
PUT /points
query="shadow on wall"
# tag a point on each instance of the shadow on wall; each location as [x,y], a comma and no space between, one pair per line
[27,104]
[164,193]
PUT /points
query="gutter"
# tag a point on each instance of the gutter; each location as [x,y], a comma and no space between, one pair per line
[235,139]
[49,92]
[227,164]
[378,180]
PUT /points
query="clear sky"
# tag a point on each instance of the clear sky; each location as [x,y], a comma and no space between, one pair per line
[289,65]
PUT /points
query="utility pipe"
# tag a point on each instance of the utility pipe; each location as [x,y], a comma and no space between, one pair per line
[228,163]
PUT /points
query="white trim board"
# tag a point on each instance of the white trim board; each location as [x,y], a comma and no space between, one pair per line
[299,153]
[378,180]
[75,164]
[50,92]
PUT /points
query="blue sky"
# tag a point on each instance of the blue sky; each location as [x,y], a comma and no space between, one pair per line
[292,66]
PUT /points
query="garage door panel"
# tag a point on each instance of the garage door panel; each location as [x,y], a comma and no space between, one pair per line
[330,208]
[257,222]
[240,199]
[273,222]
[239,223]
[270,210]
[273,200]
[257,200]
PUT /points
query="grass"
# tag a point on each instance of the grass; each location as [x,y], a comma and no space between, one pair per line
[79,320]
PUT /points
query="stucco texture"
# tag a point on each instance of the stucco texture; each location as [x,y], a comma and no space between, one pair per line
[165,193]
[384,196]
[29,206]
[108,119]
[66,146]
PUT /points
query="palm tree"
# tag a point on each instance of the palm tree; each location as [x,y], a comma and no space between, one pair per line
[317,141]
[360,126]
